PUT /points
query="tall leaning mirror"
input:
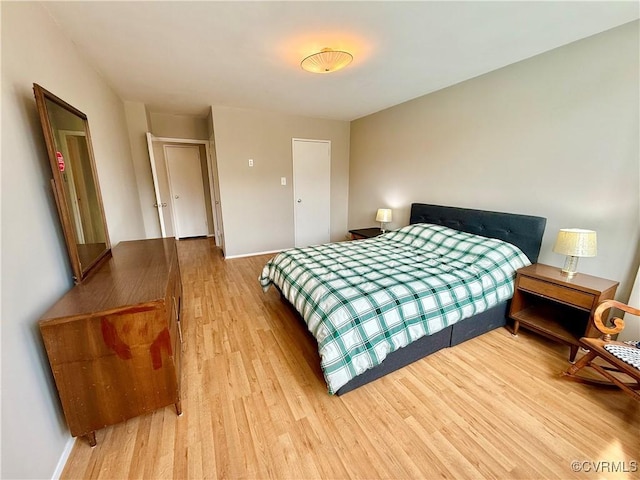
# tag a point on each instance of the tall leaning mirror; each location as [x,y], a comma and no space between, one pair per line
[75,183]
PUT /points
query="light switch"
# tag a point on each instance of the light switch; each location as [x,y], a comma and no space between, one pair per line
[251,162]
[283,180]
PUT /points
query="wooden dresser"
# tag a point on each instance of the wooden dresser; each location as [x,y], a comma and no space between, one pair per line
[114,340]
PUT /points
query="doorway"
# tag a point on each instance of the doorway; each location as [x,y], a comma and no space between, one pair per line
[311,191]
[160,148]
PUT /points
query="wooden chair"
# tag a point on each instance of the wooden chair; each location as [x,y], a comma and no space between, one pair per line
[605,349]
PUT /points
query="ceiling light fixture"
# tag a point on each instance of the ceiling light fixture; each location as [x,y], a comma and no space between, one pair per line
[326,61]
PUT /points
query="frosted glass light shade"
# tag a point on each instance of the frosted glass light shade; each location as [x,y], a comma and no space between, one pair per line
[384,215]
[326,61]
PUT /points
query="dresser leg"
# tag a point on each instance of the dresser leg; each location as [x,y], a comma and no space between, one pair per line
[91,438]
[178,405]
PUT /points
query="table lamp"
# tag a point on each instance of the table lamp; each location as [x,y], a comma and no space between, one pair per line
[383,216]
[575,243]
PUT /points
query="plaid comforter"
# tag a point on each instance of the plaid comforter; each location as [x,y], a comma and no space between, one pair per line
[366,298]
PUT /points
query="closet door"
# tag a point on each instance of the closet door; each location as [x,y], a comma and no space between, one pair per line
[311,191]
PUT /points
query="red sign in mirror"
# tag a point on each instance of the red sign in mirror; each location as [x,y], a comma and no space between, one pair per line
[60,160]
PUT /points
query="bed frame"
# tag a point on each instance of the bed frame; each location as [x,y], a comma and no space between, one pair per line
[524,231]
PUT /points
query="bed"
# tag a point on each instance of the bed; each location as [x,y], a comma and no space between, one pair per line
[372,309]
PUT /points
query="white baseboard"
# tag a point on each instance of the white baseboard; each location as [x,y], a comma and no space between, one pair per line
[63,458]
[255,253]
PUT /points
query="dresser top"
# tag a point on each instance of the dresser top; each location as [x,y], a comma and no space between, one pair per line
[136,274]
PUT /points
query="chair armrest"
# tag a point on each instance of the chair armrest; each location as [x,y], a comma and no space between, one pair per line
[618,322]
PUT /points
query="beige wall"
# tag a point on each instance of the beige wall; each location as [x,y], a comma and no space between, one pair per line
[179,126]
[555,135]
[257,210]
[35,267]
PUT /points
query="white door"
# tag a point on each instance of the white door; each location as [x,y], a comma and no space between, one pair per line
[217,206]
[184,170]
[311,191]
[156,188]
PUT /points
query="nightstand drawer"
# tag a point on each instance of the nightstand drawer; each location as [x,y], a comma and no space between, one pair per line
[556,292]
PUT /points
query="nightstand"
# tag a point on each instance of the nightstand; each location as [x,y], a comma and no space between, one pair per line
[558,307]
[363,233]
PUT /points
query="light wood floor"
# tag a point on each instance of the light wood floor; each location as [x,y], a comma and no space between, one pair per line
[255,403]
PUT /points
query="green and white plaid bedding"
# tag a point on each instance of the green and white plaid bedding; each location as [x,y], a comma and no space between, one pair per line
[366,298]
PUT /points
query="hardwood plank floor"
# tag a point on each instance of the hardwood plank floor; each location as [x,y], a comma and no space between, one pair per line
[255,403]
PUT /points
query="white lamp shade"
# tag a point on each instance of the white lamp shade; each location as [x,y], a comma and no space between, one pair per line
[383,215]
[576,242]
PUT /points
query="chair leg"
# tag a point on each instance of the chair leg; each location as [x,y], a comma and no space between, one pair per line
[583,362]
[586,361]
[627,388]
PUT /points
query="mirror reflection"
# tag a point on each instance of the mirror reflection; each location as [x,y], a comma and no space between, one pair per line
[76,189]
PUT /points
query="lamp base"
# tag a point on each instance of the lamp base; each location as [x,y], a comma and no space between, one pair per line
[570,266]
[382,229]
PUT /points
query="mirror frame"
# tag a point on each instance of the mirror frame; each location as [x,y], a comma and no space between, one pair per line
[79,271]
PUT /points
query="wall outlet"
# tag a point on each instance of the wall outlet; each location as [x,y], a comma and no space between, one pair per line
[251,162]
[283,180]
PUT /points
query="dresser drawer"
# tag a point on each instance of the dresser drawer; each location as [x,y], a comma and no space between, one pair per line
[556,292]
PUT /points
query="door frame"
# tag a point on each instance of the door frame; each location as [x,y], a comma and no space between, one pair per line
[293,176]
[187,141]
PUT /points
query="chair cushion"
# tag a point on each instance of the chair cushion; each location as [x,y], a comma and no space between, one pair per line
[628,354]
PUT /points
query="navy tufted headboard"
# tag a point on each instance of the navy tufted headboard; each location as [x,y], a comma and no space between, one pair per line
[523,231]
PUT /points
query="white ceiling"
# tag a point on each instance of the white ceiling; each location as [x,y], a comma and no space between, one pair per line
[181,57]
